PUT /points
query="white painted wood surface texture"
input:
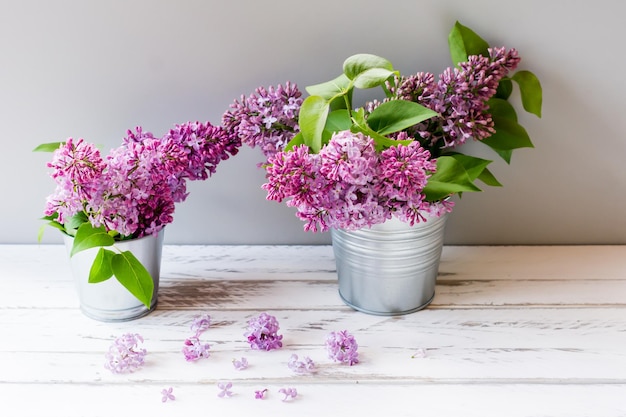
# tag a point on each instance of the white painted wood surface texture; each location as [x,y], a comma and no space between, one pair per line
[512,331]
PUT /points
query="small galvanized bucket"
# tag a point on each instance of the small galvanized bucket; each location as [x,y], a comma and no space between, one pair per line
[109,301]
[390,268]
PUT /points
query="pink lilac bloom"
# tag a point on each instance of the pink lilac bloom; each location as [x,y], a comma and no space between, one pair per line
[167,394]
[77,167]
[403,172]
[288,393]
[262,333]
[240,364]
[194,349]
[134,189]
[301,367]
[349,185]
[124,354]
[342,347]
[225,391]
[268,118]
[200,324]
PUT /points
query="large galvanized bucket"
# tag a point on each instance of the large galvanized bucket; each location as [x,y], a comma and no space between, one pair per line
[390,268]
[109,301]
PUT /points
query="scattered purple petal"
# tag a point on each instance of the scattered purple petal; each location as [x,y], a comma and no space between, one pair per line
[167,394]
[224,389]
[194,349]
[240,365]
[342,347]
[124,355]
[262,333]
[260,394]
[301,367]
[288,393]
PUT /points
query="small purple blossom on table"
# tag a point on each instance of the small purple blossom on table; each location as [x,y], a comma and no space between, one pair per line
[240,364]
[342,347]
[167,394]
[200,324]
[260,394]
[289,393]
[124,354]
[301,367]
[194,349]
[224,389]
[262,333]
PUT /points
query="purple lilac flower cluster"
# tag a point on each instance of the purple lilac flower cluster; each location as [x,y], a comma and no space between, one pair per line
[134,189]
[124,354]
[342,347]
[460,96]
[193,348]
[267,118]
[262,333]
[350,185]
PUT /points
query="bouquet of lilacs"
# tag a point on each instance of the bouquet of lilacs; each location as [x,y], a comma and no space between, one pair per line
[349,168]
[130,193]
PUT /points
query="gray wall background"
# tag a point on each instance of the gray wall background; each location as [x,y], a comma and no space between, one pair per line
[95,69]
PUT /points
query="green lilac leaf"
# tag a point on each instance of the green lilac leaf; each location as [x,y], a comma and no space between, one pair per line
[489,179]
[502,108]
[396,115]
[450,178]
[330,89]
[464,42]
[338,120]
[133,276]
[372,77]
[101,269]
[380,142]
[48,147]
[88,237]
[473,166]
[312,119]
[295,141]
[357,64]
[505,88]
[509,135]
[73,223]
[530,90]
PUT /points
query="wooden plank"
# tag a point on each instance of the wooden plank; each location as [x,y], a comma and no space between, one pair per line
[317,399]
[476,345]
[322,294]
[48,262]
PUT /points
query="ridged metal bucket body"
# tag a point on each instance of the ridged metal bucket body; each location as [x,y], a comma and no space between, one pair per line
[109,301]
[390,268]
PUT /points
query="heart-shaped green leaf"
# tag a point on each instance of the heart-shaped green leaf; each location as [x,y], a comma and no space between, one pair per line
[396,115]
[450,178]
[88,237]
[133,276]
[101,269]
[530,90]
[312,119]
[372,77]
[48,147]
[464,42]
[357,64]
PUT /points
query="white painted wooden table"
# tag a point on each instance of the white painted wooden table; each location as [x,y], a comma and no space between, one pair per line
[512,331]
